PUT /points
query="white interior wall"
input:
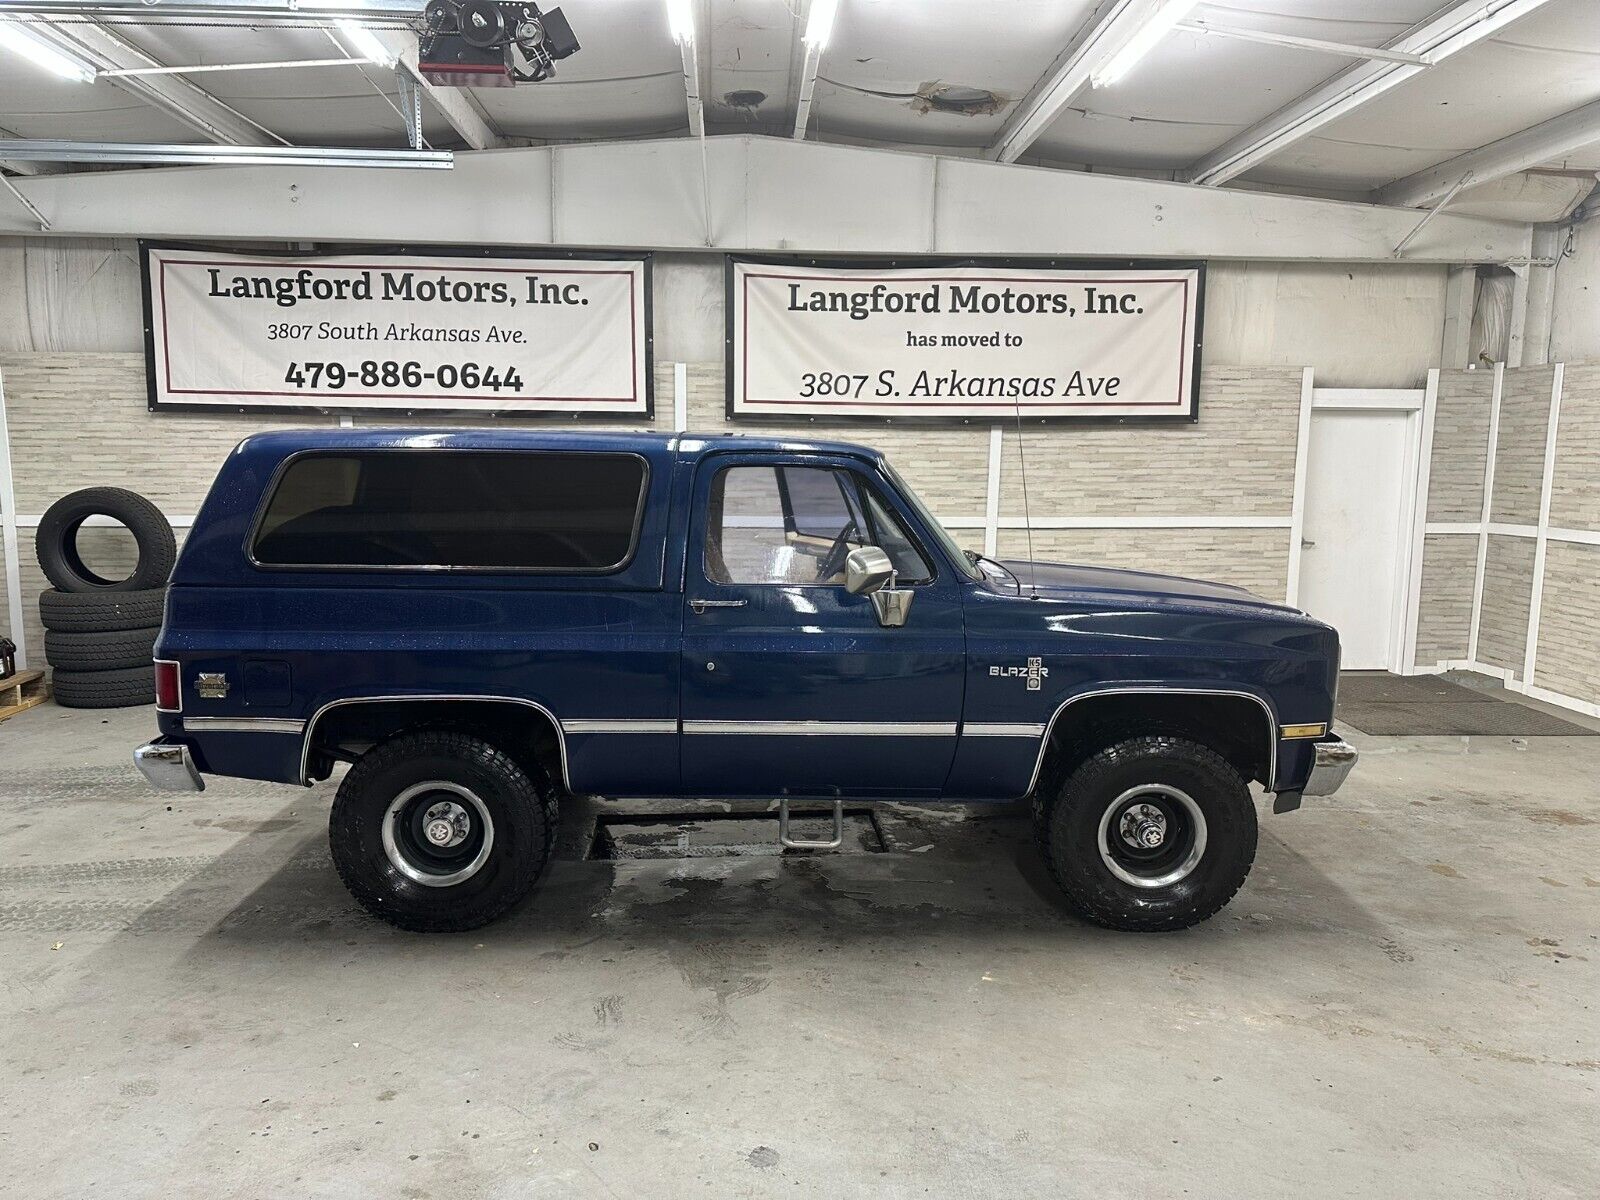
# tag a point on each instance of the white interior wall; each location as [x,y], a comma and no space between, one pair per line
[1358,325]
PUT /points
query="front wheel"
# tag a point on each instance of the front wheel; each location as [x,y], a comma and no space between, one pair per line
[439,831]
[1154,833]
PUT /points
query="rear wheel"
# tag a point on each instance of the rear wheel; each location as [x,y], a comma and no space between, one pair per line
[440,831]
[1154,833]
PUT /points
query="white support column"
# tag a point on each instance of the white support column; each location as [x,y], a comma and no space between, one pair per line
[1517,329]
[1486,510]
[991,511]
[1531,652]
[8,530]
[1460,294]
[1547,241]
[680,396]
[1297,508]
[1419,526]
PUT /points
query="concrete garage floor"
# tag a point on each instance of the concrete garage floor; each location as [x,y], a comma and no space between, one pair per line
[1402,1002]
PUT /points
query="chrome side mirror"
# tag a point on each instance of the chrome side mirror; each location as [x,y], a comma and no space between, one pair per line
[866,570]
[869,572]
[892,605]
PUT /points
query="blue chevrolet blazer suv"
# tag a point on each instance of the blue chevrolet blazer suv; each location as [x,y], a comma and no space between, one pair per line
[478,622]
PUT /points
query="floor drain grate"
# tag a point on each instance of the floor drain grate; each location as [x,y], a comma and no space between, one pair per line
[727,835]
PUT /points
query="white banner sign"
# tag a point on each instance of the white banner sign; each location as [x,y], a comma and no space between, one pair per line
[969,341]
[378,331]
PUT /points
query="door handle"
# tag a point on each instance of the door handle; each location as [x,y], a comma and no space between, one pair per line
[1306,544]
[700,606]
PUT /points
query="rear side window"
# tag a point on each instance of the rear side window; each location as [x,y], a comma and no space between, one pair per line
[464,509]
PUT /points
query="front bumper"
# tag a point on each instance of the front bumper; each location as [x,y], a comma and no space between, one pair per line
[168,766]
[1333,763]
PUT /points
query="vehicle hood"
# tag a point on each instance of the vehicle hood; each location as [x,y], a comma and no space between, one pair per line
[1067,581]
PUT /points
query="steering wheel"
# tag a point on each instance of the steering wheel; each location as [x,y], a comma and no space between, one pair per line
[833,561]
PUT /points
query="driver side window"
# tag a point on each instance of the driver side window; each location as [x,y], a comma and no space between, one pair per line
[793,525]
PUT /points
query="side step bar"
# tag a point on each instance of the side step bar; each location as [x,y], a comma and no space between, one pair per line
[791,843]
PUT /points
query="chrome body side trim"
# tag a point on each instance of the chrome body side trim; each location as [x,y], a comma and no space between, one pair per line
[824,728]
[1333,764]
[169,767]
[311,725]
[242,725]
[1158,689]
[629,726]
[1001,730]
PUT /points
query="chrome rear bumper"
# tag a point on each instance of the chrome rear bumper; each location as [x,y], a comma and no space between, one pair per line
[168,767]
[1333,763]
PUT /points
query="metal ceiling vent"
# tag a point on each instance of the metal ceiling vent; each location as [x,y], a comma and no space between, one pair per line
[934,96]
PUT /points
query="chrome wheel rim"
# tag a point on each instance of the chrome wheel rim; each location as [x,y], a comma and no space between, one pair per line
[1152,835]
[437,833]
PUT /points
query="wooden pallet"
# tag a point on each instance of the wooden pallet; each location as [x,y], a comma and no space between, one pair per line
[22,691]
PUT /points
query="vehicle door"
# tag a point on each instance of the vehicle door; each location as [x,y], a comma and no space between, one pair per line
[791,686]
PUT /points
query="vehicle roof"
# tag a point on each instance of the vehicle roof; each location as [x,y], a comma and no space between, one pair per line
[503,437]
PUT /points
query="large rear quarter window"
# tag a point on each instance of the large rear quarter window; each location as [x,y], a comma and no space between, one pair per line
[486,510]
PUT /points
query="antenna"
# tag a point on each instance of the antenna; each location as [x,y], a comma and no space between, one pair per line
[1027,513]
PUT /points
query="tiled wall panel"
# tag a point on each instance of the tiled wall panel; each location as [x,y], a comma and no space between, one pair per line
[1568,660]
[1507,589]
[1444,619]
[1519,449]
[1575,486]
[1460,445]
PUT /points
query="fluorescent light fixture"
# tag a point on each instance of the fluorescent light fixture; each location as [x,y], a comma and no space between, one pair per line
[365,42]
[819,22]
[42,54]
[205,154]
[680,20]
[1143,41]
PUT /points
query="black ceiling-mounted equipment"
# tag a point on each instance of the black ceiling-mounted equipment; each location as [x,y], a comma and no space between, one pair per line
[487,43]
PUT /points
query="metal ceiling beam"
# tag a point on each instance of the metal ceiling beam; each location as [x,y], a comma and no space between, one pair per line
[24,166]
[811,59]
[1551,139]
[691,86]
[1107,29]
[1267,38]
[765,193]
[455,105]
[1447,33]
[184,154]
[808,85]
[178,97]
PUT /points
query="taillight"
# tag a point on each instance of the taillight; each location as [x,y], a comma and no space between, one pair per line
[167,686]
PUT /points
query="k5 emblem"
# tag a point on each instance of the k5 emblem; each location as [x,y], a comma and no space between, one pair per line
[1034,673]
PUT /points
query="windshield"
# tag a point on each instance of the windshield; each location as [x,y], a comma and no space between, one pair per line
[951,551]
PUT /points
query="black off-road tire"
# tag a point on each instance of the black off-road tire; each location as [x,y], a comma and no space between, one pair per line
[101,612]
[522,807]
[120,649]
[1067,827]
[56,541]
[104,689]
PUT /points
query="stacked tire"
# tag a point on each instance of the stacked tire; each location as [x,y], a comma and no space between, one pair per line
[100,633]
